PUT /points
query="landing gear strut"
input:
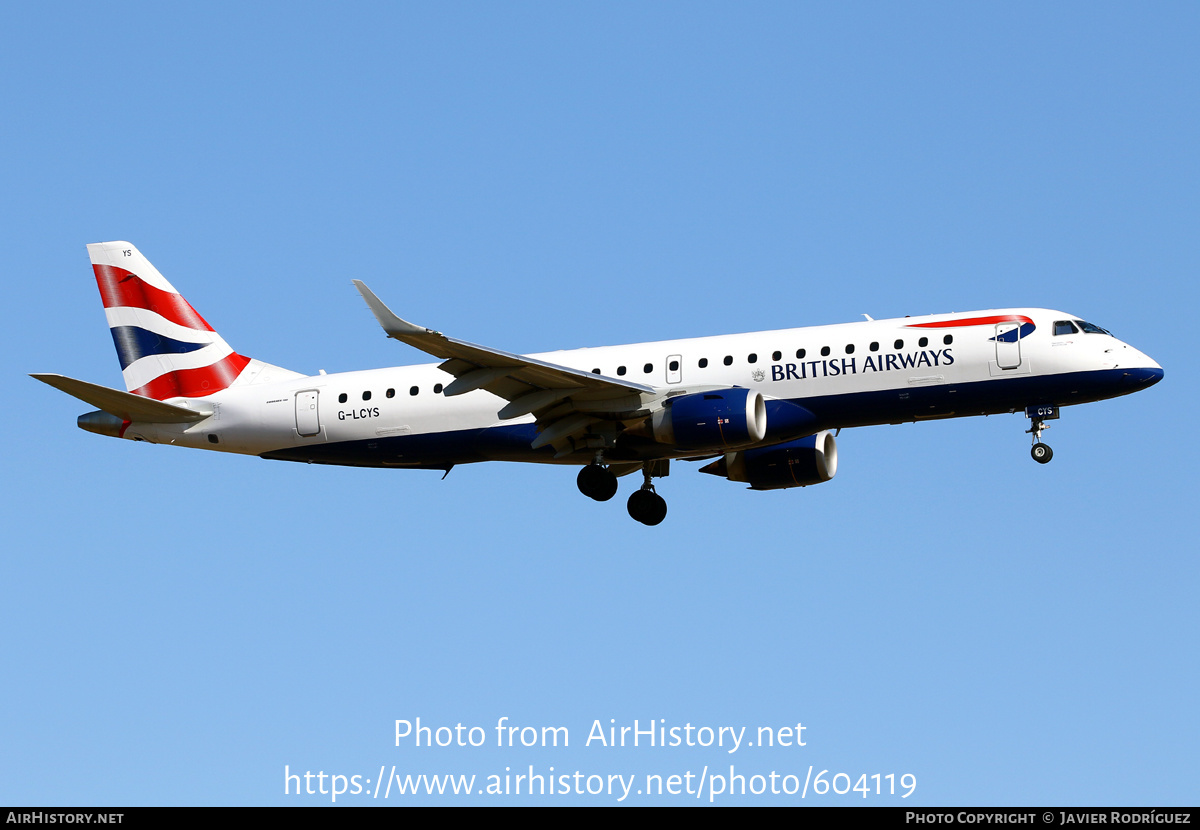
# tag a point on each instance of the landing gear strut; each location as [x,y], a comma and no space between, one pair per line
[1038,415]
[645,505]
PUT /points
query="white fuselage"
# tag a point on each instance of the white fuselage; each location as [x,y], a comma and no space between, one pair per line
[852,374]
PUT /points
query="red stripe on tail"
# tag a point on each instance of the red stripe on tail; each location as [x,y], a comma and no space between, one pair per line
[119,287]
[195,383]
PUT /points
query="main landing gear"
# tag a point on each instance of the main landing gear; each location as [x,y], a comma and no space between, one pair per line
[645,505]
[597,482]
[1037,416]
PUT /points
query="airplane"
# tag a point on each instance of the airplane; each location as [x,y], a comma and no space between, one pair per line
[763,408]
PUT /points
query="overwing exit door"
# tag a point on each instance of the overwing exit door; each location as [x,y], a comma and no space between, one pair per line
[674,369]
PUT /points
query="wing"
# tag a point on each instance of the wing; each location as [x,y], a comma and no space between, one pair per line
[567,403]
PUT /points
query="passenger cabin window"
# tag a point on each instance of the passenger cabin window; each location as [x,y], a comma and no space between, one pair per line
[824,351]
[437,389]
[703,363]
[413,390]
[849,348]
[620,370]
[776,355]
[342,398]
[1064,327]
[875,346]
[800,353]
[391,393]
[948,339]
[923,342]
[648,368]
[752,358]
[728,361]
[366,396]
[673,366]
[899,344]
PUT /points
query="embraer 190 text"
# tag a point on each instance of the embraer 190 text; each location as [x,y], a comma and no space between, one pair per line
[762,406]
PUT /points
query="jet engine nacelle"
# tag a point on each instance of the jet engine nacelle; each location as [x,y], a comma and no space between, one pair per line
[799,463]
[712,420]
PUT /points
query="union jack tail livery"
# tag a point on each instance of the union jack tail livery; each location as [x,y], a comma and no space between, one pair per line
[166,349]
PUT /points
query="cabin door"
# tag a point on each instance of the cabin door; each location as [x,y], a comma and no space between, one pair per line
[307,420]
[1008,345]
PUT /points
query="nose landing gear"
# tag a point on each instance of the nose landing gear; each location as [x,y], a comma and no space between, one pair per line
[1037,416]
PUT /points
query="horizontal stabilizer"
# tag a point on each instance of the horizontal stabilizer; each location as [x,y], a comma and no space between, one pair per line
[124,405]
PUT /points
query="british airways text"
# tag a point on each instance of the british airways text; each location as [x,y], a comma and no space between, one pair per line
[850,366]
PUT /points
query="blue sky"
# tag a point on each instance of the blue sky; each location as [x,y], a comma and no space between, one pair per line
[179,626]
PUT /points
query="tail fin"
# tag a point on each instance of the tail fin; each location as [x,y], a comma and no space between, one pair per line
[166,349]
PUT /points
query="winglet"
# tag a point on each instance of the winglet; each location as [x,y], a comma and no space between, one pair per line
[393,325]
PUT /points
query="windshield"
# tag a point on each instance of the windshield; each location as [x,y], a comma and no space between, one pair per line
[1088,328]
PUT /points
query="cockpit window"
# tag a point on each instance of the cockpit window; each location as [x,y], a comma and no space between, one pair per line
[1065,327]
[1088,328]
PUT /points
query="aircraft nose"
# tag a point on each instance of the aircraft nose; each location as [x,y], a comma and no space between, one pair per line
[1138,369]
[1144,376]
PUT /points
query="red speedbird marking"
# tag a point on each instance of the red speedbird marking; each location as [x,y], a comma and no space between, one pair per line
[972,321]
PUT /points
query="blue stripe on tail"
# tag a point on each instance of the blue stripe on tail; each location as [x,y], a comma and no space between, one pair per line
[133,342]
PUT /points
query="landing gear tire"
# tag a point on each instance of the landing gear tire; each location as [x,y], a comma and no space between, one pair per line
[647,507]
[1038,415]
[597,482]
